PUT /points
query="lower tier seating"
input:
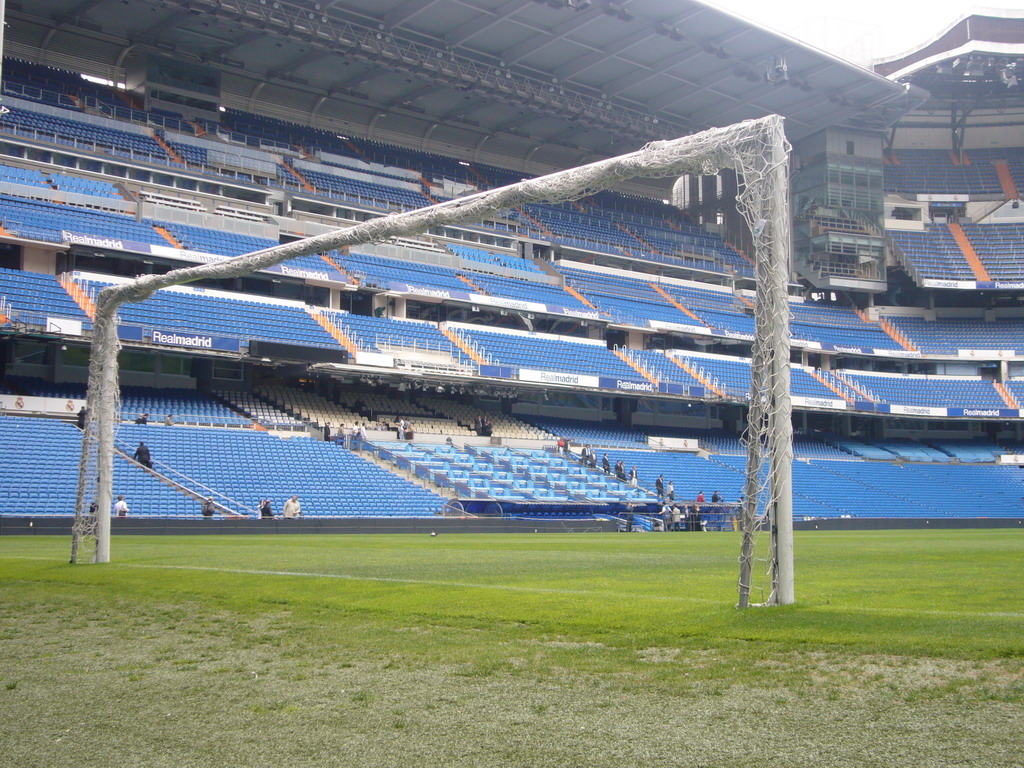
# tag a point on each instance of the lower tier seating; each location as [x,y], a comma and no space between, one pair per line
[39,474]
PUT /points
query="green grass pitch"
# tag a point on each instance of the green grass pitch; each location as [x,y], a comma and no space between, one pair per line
[591,650]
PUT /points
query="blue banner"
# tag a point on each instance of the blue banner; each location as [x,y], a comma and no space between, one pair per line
[626,385]
[498,371]
[195,341]
[98,241]
[129,332]
[985,413]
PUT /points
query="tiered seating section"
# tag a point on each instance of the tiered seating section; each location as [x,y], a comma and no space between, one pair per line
[933,171]
[184,311]
[514,475]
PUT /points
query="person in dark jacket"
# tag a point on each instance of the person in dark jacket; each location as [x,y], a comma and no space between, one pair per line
[142,455]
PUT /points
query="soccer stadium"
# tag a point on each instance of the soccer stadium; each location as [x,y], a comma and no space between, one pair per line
[403,497]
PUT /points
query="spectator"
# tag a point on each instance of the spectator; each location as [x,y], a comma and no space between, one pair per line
[670,492]
[292,508]
[327,432]
[121,507]
[659,486]
[634,478]
[700,497]
[677,516]
[620,471]
[266,511]
[83,414]
[209,508]
[169,420]
[716,498]
[142,455]
[143,418]
[606,465]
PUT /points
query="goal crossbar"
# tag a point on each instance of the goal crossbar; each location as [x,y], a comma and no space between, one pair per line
[756,149]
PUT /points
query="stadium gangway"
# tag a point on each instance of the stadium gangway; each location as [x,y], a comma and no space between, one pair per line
[186,484]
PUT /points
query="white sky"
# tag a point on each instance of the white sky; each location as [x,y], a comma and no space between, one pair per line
[861,30]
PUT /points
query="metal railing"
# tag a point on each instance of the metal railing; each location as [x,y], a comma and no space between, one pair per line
[188,485]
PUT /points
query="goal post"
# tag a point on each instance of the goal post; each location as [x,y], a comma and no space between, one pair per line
[756,149]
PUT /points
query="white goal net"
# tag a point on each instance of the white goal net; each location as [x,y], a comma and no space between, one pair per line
[756,149]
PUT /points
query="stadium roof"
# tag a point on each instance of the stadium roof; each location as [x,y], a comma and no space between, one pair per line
[592,77]
[978,61]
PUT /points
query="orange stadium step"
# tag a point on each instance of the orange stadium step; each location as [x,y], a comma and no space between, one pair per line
[1006,180]
[168,236]
[1007,395]
[829,385]
[302,179]
[578,296]
[891,331]
[167,148]
[967,250]
[77,292]
[704,380]
[476,288]
[339,336]
[351,278]
[635,366]
[461,344]
[676,304]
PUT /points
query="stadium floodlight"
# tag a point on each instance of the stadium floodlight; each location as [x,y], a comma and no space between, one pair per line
[757,150]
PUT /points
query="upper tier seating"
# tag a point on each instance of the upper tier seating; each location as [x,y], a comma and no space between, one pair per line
[214,241]
[929,391]
[108,137]
[932,171]
[624,299]
[1000,248]
[836,325]
[947,335]
[486,258]
[933,253]
[380,271]
[33,297]
[185,311]
[82,186]
[549,353]
[526,290]
[383,334]
[331,182]
[39,220]
[25,176]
